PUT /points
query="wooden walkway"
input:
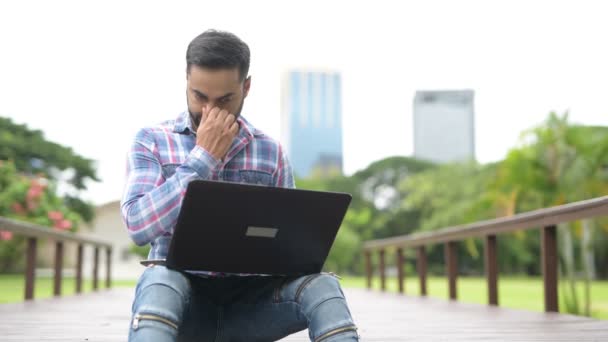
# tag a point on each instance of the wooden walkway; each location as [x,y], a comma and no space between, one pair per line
[104,316]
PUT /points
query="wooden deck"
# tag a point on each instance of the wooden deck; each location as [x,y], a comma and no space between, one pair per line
[104,316]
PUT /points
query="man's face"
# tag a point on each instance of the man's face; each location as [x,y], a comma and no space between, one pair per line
[209,88]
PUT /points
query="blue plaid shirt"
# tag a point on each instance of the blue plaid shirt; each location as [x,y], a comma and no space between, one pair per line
[165,158]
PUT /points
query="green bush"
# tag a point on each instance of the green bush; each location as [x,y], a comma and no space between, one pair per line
[29,198]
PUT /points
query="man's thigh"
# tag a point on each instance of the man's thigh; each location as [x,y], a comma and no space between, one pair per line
[212,302]
[268,310]
[201,318]
[161,298]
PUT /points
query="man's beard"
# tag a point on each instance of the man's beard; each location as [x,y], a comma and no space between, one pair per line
[196,117]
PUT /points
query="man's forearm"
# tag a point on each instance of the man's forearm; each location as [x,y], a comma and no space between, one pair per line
[150,209]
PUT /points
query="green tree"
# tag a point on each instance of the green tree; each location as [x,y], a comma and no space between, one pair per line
[374,211]
[33,155]
[30,199]
[448,195]
[558,163]
[30,169]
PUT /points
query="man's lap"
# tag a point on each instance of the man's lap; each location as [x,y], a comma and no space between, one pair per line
[264,308]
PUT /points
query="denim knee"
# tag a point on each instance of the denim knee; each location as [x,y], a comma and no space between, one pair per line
[316,289]
[323,303]
[161,275]
[161,298]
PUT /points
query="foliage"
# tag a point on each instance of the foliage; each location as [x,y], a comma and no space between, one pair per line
[35,156]
[555,163]
[31,170]
[29,199]
[559,163]
[141,251]
[373,212]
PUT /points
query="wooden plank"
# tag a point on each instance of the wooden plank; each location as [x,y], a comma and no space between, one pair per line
[380,317]
[368,268]
[79,255]
[32,230]
[422,268]
[451,255]
[108,268]
[400,275]
[491,268]
[30,268]
[382,270]
[57,279]
[549,267]
[530,220]
[95,268]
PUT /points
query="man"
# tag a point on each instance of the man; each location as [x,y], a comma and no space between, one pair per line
[213,141]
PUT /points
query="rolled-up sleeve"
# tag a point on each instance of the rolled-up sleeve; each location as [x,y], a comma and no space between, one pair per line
[284,174]
[151,203]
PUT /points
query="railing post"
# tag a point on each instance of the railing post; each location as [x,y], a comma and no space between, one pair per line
[451,267]
[58,268]
[382,271]
[549,266]
[95,267]
[79,268]
[421,265]
[108,267]
[400,273]
[368,268]
[30,268]
[491,264]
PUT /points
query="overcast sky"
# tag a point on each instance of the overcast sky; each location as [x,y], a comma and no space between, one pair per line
[90,73]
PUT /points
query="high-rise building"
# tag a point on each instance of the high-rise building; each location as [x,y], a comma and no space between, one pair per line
[311,122]
[444,125]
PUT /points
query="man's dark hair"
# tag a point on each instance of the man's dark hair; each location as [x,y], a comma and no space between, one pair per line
[218,50]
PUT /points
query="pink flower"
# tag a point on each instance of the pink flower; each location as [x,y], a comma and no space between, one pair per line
[55,215]
[34,192]
[31,205]
[63,224]
[18,208]
[5,235]
[36,189]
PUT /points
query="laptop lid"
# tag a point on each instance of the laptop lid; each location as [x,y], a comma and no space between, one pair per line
[244,228]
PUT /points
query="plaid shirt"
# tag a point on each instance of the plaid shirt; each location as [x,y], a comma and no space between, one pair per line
[165,158]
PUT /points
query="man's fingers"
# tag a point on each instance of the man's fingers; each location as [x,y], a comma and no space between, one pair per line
[234,128]
[213,113]
[230,119]
[221,116]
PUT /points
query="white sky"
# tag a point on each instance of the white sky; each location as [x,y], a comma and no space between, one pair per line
[90,73]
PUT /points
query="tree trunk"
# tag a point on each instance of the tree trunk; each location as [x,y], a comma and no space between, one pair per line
[588,261]
[567,256]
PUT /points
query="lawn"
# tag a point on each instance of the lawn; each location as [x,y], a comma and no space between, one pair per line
[514,292]
[12,287]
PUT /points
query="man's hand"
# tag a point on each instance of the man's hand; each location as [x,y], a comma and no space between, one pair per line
[216,132]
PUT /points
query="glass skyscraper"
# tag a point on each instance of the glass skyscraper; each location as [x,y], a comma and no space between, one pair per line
[444,125]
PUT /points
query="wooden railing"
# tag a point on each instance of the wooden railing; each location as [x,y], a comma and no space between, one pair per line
[543,219]
[35,232]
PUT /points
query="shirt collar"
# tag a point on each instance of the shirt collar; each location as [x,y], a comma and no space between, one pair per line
[182,123]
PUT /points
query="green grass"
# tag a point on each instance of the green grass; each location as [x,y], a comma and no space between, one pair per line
[12,287]
[513,292]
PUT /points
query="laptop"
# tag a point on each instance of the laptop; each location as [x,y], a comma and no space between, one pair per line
[246,228]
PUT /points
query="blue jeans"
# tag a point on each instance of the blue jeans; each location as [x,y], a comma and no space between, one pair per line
[175,306]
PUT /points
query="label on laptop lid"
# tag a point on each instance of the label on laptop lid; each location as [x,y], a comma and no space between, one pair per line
[265,232]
